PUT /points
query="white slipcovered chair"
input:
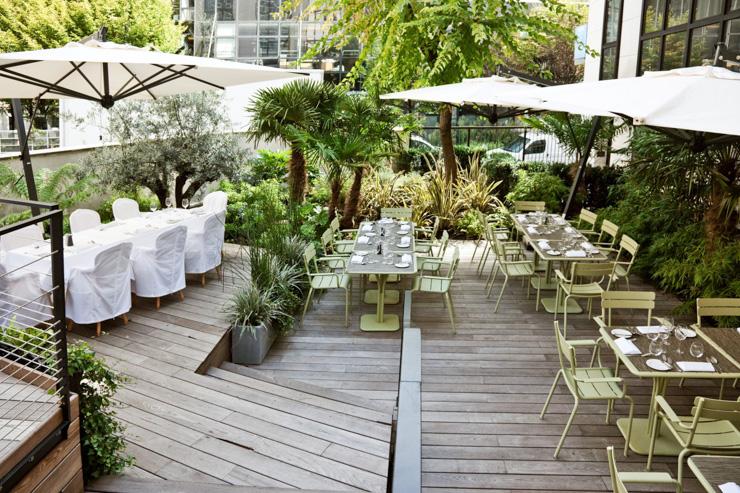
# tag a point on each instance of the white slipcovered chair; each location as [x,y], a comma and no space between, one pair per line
[100,291]
[203,247]
[125,209]
[215,201]
[160,270]
[83,219]
[21,237]
[23,300]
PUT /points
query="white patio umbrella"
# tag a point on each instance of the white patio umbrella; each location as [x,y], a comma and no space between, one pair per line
[696,99]
[461,92]
[108,72]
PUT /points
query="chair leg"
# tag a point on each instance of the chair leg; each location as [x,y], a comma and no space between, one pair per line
[219,272]
[653,437]
[125,319]
[346,307]
[308,301]
[157,302]
[98,329]
[181,294]
[681,460]
[477,244]
[493,280]
[70,323]
[203,279]
[450,311]
[565,315]
[567,428]
[629,425]
[549,395]
[627,281]
[503,288]
[557,302]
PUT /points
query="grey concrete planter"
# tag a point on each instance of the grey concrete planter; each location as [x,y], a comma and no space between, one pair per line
[249,345]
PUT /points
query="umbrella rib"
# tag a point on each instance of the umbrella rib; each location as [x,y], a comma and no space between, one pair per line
[121,94]
[48,87]
[145,87]
[134,77]
[190,67]
[77,68]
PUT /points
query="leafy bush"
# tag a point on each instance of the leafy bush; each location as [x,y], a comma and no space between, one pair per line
[500,167]
[466,153]
[249,207]
[469,224]
[267,165]
[539,186]
[101,434]
[414,159]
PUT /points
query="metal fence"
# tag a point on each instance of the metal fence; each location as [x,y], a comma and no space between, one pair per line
[40,139]
[521,142]
[34,383]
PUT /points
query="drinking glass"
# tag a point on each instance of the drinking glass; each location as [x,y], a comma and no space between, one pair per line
[168,202]
[656,348]
[697,349]
[185,203]
[652,336]
[680,335]
[664,335]
[153,207]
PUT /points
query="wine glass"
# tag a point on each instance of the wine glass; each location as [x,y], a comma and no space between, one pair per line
[656,348]
[153,207]
[680,335]
[168,202]
[185,203]
[652,336]
[697,349]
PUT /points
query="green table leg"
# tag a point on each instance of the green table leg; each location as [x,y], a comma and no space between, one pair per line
[380,322]
[391,297]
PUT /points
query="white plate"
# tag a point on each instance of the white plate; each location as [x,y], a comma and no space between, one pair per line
[403,246]
[401,232]
[689,333]
[621,333]
[553,252]
[370,234]
[360,253]
[402,265]
[657,364]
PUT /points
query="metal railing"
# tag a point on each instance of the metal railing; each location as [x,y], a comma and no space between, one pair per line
[40,139]
[33,340]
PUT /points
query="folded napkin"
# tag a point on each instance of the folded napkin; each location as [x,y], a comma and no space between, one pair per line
[569,229]
[738,330]
[386,220]
[405,227]
[405,241]
[587,246]
[362,240]
[356,259]
[729,488]
[543,244]
[367,227]
[406,258]
[695,366]
[650,329]
[531,230]
[627,347]
[575,253]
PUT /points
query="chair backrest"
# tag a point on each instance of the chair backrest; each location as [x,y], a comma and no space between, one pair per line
[435,228]
[334,224]
[454,262]
[21,237]
[587,217]
[714,409]
[213,229]
[125,209]
[566,353]
[717,307]
[617,484]
[403,213]
[609,232]
[630,300]
[215,201]
[442,245]
[591,272]
[327,241]
[309,259]
[170,243]
[529,206]
[83,219]
[113,261]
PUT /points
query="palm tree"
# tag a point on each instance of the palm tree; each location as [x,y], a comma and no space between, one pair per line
[283,113]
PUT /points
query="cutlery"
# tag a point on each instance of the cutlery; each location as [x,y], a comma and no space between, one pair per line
[713,361]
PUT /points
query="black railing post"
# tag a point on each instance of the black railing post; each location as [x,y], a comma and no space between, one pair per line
[524,146]
[20,128]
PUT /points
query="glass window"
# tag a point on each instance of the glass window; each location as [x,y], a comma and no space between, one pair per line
[707,8]
[703,40]
[678,12]
[224,29]
[268,47]
[248,29]
[732,38]
[650,60]
[612,20]
[673,51]
[735,4]
[536,147]
[609,63]
[247,10]
[268,9]
[247,47]
[224,9]
[654,12]
[224,47]
[268,29]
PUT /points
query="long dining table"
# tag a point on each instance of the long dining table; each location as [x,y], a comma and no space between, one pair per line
[553,239]
[381,250]
[714,363]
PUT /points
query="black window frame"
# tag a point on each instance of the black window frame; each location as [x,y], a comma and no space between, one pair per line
[687,29]
[611,44]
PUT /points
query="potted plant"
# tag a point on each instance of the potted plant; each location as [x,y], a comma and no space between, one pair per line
[252,312]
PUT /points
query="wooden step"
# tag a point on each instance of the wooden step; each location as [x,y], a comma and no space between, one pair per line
[113,484]
[308,388]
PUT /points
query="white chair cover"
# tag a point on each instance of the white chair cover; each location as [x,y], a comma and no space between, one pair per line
[203,247]
[83,219]
[102,290]
[21,237]
[125,209]
[160,270]
[23,300]
[215,201]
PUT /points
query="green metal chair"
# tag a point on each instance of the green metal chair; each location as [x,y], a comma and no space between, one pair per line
[622,300]
[621,479]
[341,245]
[529,206]
[323,280]
[585,281]
[522,269]
[512,250]
[426,237]
[607,236]
[401,213]
[624,258]
[716,307]
[586,222]
[333,259]
[426,283]
[588,384]
[435,258]
[712,428]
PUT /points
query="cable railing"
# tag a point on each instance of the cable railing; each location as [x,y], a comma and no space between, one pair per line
[34,383]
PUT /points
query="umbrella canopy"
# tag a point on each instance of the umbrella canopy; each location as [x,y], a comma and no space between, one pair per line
[462,92]
[699,99]
[108,72]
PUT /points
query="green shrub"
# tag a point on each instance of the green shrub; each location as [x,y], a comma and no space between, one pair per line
[267,165]
[469,224]
[249,207]
[500,167]
[465,153]
[539,186]
[414,159]
[145,201]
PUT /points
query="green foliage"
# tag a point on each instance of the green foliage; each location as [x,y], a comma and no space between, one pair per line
[539,186]
[31,343]
[249,208]
[268,165]
[469,224]
[500,167]
[145,201]
[175,143]
[101,434]
[38,24]
[251,307]
[466,153]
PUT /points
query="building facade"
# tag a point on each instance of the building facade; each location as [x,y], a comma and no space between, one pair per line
[634,36]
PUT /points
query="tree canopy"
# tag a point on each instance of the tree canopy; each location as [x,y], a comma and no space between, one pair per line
[40,24]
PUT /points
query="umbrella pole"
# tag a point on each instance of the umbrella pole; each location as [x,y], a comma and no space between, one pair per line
[582,164]
[23,137]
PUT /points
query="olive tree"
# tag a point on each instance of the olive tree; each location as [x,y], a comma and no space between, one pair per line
[174,144]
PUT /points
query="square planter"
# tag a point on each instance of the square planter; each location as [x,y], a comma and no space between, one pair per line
[249,345]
